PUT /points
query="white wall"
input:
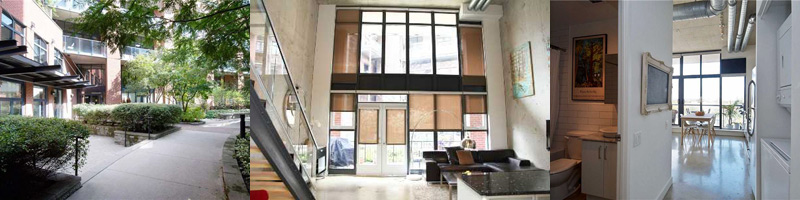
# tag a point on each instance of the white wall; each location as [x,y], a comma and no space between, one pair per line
[581,115]
[528,21]
[795,129]
[323,62]
[772,120]
[644,170]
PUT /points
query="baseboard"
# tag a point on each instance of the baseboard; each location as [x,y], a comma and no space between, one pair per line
[665,189]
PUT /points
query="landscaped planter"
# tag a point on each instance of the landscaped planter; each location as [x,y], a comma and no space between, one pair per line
[103,130]
[194,123]
[136,137]
[232,115]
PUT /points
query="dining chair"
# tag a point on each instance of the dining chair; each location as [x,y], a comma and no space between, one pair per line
[708,129]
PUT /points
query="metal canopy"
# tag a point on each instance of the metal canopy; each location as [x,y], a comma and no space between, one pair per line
[17,67]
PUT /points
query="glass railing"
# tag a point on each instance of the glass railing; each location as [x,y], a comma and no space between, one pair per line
[128,53]
[76,45]
[72,5]
[275,87]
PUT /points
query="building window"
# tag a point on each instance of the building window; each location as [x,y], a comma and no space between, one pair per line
[58,58]
[39,50]
[12,30]
[10,98]
[342,131]
[39,101]
[94,74]
[57,102]
[700,83]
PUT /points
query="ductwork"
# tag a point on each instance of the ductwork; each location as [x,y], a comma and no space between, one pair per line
[698,9]
[742,17]
[751,21]
[731,22]
[479,5]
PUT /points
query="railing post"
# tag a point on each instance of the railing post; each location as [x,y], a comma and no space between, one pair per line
[241,126]
[77,152]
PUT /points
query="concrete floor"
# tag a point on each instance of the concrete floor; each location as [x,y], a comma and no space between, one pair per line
[182,165]
[389,188]
[700,172]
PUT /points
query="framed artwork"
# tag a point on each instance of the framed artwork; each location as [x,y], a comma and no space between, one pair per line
[656,85]
[522,71]
[588,67]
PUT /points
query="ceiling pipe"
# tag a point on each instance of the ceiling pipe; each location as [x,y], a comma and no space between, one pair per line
[751,21]
[485,4]
[742,19]
[474,4]
[698,9]
[731,22]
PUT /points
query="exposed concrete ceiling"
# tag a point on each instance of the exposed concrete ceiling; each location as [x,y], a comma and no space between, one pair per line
[709,33]
[453,4]
[564,12]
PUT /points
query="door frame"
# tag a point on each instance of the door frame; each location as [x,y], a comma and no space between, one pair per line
[382,167]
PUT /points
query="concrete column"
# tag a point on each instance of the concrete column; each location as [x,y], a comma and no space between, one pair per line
[321,83]
[27,108]
[493,60]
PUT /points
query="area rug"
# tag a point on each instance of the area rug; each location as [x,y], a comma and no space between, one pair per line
[423,190]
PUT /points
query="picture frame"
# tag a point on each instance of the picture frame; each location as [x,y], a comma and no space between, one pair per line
[522,81]
[588,67]
[656,85]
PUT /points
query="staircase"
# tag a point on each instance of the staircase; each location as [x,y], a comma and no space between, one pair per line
[284,153]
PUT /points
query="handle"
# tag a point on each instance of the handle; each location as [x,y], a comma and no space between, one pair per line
[605,153]
[598,152]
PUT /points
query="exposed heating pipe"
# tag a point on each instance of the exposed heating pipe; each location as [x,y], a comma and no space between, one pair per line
[474,4]
[742,17]
[698,9]
[731,22]
[485,4]
[751,21]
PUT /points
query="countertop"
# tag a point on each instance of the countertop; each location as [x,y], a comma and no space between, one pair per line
[509,183]
[599,138]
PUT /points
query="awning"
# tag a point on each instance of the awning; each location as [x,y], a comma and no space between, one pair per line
[17,67]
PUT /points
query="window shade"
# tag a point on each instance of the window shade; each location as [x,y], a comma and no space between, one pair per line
[395,126]
[368,126]
[448,112]
[343,102]
[476,104]
[348,16]
[345,48]
[472,51]
[421,113]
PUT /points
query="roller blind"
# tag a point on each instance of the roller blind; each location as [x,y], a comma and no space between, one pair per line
[448,112]
[476,104]
[343,102]
[368,126]
[395,126]
[421,111]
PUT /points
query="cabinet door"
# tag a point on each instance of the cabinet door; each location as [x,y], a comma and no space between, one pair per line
[592,168]
[784,56]
[610,170]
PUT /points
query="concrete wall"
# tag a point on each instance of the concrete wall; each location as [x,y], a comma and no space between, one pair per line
[528,21]
[581,115]
[644,169]
[323,62]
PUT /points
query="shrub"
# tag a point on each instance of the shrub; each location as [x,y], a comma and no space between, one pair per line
[142,117]
[94,114]
[193,114]
[211,114]
[38,147]
[242,154]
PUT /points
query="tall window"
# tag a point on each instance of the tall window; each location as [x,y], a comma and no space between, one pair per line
[39,101]
[342,131]
[11,29]
[57,102]
[701,82]
[10,98]
[39,50]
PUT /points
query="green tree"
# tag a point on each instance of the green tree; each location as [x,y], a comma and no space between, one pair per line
[220,28]
[146,72]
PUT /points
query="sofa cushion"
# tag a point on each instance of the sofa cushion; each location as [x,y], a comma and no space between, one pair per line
[465,157]
[437,156]
[494,155]
[451,154]
[461,168]
[519,162]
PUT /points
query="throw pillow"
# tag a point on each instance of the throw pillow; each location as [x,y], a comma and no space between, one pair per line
[465,157]
[451,154]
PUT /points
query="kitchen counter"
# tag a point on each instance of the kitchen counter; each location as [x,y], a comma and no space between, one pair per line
[508,183]
[599,138]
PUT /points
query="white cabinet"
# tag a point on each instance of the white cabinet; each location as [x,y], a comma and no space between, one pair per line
[599,169]
[784,96]
[775,168]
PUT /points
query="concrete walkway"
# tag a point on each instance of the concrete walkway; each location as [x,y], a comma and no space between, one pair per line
[183,165]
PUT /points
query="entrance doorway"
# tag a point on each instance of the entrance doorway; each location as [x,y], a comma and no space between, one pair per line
[382,139]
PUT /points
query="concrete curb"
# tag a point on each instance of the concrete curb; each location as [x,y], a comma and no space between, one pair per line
[232,181]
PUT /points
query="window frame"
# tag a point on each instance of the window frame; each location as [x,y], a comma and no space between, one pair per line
[681,106]
[20,100]
[14,22]
[39,48]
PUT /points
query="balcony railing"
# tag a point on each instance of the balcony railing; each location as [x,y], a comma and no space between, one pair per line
[72,5]
[129,53]
[75,45]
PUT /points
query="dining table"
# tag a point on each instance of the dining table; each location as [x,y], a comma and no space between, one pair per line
[695,118]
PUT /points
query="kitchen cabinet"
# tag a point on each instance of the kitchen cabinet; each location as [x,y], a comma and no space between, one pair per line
[599,169]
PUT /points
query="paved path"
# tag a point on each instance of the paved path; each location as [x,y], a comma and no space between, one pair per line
[182,165]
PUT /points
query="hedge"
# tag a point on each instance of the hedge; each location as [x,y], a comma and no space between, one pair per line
[143,117]
[38,147]
[94,114]
[242,154]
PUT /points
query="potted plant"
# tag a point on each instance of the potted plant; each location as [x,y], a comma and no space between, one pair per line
[730,111]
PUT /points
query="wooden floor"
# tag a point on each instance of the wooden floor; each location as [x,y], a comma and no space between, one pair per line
[262,177]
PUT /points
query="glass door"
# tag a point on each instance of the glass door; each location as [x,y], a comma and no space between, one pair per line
[382,140]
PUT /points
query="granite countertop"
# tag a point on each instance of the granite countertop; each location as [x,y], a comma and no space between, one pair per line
[509,183]
[599,138]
